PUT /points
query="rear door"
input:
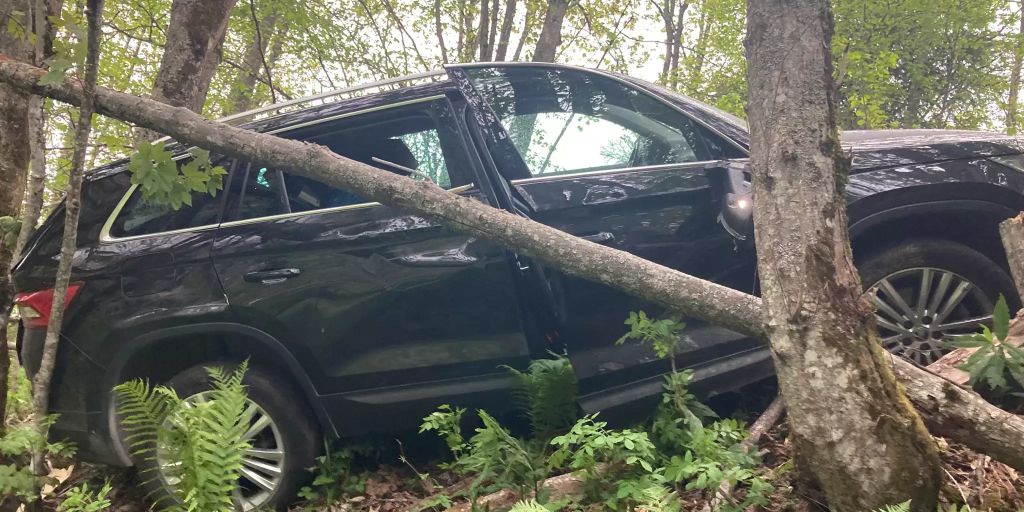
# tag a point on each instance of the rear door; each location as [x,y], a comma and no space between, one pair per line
[390,313]
[607,162]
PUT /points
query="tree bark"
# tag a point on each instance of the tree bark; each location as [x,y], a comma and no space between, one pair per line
[195,38]
[641,278]
[1011,231]
[439,31]
[850,424]
[959,414]
[483,40]
[507,19]
[1018,61]
[72,206]
[241,96]
[551,31]
[42,27]
[14,163]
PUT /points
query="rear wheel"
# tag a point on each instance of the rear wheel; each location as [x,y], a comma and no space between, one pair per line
[284,439]
[927,291]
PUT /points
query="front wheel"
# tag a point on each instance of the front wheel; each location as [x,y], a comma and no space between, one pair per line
[283,438]
[927,291]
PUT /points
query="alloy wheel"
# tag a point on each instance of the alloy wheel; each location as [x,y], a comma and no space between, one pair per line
[919,309]
[262,464]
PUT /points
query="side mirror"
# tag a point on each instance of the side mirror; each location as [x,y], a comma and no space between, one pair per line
[736,214]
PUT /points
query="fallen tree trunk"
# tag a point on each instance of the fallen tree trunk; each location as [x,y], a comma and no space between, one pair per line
[966,418]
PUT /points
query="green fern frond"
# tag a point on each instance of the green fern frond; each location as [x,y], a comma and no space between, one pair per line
[203,437]
[528,506]
[901,507]
[546,393]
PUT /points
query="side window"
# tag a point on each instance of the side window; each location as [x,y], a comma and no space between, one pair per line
[142,217]
[566,121]
[413,141]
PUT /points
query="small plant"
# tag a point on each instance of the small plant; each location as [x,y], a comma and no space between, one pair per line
[16,447]
[995,365]
[447,422]
[663,335]
[546,392]
[82,499]
[498,457]
[620,459]
[198,442]
[335,476]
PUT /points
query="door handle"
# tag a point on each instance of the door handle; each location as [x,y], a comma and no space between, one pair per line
[599,238]
[271,276]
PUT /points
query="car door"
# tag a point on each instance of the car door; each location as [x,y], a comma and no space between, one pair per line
[390,313]
[605,161]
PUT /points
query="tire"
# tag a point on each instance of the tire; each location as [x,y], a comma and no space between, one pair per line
[906,267]
[292,426]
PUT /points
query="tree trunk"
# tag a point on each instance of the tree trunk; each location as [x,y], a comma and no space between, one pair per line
[1012,233]
[439,31]
[850,424]
[506,30]
[667,12]
[195,38]
[482,31]
[72,206]
[14,162]
[241,97]
[43,12]
[551,31]
[641,278]
[1012,101]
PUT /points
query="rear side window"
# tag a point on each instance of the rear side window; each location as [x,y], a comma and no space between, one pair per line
[414,141]
[142,217]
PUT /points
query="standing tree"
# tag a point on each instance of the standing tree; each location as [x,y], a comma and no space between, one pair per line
[14,161]
[69,242]
[195,37]
[852,427]
[551,31]
[1012,103]
[256,62]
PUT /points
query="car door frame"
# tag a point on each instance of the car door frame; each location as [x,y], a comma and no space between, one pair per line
[512,169]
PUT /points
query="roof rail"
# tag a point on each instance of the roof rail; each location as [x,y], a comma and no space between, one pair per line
[332,96]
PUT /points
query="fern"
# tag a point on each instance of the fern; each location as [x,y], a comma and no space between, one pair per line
[528,506]
[546,393]
[901,507]
[203,437]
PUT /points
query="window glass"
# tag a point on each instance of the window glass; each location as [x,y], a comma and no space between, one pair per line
[411,142]
[142,217]
[567,121]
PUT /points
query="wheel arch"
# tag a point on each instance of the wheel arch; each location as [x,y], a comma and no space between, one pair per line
[968,214]
[160,354]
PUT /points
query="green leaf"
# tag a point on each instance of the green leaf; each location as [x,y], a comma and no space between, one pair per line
[1001,318]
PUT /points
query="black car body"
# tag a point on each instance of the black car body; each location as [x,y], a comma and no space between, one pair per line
[371,317]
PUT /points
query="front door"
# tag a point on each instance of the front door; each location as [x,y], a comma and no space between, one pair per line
[611,164]
[390,313]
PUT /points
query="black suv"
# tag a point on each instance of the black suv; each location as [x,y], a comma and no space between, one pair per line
[357,317]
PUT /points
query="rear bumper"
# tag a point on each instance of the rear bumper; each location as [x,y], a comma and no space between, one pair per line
[82,408]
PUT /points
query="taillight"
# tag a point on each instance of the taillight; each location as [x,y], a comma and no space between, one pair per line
[34,307]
